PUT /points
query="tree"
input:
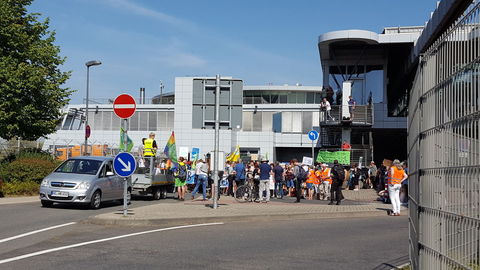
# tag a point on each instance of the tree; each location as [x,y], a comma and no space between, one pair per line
[31,96]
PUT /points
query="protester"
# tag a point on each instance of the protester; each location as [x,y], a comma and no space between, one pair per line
[300,175]
[404,190]
[278,173]
[289,179]
[201,170]
[396,175]
[372,173]
[346,146]
[338,176]
[149,151]
[311,181]
[264,183]
[354,177]
[351,107]
[327,108]
[239,170]
[180,174]
[326,181]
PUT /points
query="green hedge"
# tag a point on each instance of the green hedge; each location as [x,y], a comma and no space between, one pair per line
[22,174]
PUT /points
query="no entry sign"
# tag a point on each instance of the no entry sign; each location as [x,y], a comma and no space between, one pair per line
[124,106]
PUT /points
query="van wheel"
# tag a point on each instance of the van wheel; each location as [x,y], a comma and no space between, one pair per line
[46,203]
[96,200]
[157,193]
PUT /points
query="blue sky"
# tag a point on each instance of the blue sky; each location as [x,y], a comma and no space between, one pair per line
[141,42]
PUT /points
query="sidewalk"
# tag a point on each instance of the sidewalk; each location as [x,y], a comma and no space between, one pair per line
[14,200]
[166,213]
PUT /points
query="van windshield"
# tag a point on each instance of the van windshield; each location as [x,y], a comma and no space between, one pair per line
[80,166]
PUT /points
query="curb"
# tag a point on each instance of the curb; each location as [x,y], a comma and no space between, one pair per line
[273,217]
[19,200]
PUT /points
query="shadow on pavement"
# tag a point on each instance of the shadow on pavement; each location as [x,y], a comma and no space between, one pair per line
[393,264]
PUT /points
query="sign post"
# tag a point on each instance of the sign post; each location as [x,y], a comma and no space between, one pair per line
[124,107]
[313,136]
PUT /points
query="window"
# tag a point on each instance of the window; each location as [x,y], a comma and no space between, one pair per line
[257,122]
[152,120]
[143,120]
[247,121]
[310,98]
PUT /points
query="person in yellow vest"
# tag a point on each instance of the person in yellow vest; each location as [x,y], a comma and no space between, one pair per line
[149,151]
[326,181]
[396,175]
[311,181]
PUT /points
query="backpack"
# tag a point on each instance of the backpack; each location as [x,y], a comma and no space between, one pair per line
[302,174]
[181,172]
[339,173]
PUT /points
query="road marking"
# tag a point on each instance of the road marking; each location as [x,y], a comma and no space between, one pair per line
[34,232]
[21,257]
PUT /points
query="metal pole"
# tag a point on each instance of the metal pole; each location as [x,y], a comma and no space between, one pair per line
[125,180]
[161,92]
[86,116]
[217,140]
[313,151]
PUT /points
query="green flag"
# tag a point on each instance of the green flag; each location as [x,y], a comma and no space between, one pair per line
[122,143]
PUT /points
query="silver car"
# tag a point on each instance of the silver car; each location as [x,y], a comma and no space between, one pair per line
[83,180]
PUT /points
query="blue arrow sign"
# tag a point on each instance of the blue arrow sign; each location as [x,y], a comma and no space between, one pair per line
[313,135]
[124,164]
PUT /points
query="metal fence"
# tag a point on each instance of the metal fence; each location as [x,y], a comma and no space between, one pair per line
[362,115]
[444,150]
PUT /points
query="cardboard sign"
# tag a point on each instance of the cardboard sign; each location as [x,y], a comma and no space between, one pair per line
[307,161]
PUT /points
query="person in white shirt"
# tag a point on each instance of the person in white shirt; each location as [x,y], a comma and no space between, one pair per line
[201,170]
[328,109]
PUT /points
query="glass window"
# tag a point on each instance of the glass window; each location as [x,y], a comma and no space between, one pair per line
[274,99]
[318,98]
[297,122]
[283,98]
[292,98]
[170,120]
[143,120]
[97,123]
[162,120]
[80,166]
[301,98]
[286,122]
[306,122]
[374,83]
[310,98]
[133,122]
[265,99]
[267,121]
[247,121]
[152,121]
[107,120]
[257,121]
[257,99]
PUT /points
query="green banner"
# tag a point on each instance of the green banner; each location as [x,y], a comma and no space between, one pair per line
[343,157]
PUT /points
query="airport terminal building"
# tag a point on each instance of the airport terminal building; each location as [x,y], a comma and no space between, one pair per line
[272,121]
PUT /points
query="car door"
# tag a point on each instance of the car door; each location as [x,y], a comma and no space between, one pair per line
[106,182]
[116,181]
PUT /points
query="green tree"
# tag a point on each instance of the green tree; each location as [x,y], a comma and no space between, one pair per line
[31,95]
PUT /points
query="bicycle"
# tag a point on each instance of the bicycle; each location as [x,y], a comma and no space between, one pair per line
[247,192]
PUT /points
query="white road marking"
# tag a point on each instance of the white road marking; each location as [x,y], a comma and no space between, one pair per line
[124,106]
[21,257]
[34,232]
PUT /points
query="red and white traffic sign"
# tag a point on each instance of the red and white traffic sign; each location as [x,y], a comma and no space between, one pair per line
[124,106]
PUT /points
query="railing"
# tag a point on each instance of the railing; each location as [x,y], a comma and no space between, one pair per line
[361,115]
[444,150]
[357,155]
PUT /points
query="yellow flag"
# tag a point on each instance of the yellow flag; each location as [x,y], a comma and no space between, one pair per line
[235,155]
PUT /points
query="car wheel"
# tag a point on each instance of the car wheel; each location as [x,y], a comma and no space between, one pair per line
[157,193]
[96,200]
[46,203]
[163,190]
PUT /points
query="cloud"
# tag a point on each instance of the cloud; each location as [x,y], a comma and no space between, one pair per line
[143,11]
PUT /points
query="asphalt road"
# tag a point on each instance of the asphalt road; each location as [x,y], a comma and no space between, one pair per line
[345,243]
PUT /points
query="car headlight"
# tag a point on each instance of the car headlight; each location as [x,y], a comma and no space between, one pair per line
[84,185]
[44,183]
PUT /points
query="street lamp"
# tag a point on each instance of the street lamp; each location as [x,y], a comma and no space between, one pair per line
[88,64]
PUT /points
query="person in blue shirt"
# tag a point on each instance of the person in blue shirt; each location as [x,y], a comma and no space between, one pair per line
[239,171]
[264,185]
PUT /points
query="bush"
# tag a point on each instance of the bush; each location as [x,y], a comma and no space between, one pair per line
[15,188]
[28,153]
[26,169]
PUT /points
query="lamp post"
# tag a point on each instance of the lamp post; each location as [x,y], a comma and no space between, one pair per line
[88,64]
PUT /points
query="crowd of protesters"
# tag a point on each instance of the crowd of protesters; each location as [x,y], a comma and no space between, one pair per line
[293,179]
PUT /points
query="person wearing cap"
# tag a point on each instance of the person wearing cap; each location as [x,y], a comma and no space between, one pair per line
[264,185]
[149,150]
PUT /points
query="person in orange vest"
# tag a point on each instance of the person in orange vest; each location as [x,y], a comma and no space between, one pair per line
[396,175]
[311,181]
[326,182]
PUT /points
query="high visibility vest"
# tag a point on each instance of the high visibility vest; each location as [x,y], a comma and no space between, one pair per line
[148,150]
[325,175]
[312,178]
[397,176]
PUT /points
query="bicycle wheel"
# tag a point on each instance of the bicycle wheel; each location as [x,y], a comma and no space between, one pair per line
[243,194]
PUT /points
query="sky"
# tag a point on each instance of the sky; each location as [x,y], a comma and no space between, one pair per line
[143,42]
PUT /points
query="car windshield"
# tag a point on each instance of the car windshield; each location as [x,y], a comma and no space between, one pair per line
[80,166]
